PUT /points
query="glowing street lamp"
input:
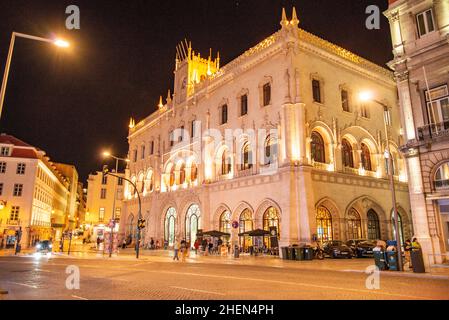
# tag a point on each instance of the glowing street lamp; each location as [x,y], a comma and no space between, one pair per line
[369,96]
[57,42]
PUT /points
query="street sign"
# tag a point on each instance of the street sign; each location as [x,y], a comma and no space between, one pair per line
[235,224]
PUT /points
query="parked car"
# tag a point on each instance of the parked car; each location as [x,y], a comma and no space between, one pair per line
[44,246]
[337,249]
[362,247]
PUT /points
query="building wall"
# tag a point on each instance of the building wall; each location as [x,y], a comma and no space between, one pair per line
[422,62]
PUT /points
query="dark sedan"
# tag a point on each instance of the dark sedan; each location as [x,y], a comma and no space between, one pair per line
[337,249]
[362,247]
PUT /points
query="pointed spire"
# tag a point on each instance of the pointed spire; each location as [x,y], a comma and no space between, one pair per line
[160,105]
[218,60]
[132,123]
[168,96]
[295,20]
[284,21]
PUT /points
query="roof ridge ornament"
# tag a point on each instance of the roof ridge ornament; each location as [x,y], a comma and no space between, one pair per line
[284,22]
[295,20]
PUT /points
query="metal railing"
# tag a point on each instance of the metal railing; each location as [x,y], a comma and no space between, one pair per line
[441,184]
[434,130]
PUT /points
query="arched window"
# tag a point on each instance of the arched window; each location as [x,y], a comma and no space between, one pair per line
[225,222]
[170,226]
[140,183]
[366,157]
[271,219]
[346,153]
[247,161]
[172,176]
[225,163]
[401,228]
[317,148]
[324,224]
[271,150]
[245,224]
[373,225]
[193,223]
[354,225]
[442,176]
[182,174]
[193,172]
[149,181]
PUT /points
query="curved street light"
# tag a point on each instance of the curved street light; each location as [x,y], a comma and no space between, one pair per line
[57,42]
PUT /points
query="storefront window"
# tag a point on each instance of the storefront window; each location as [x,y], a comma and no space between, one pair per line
[193,223]
[246,224]
[271,219]
[170,223]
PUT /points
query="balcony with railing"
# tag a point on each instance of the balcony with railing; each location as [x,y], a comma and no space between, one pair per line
[433,131]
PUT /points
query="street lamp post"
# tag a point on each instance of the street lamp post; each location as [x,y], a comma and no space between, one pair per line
[117,159]
[57,42]
[367,96]
[106,172]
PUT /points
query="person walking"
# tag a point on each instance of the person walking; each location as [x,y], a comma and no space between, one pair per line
[196,245]
[176,246]
[152,244]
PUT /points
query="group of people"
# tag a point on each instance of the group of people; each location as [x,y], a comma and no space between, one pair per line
[180,247]
[409,246]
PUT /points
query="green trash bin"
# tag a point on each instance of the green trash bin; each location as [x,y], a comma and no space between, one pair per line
[379,260]
[291,253]
[392,260]
[308,253]
[284,253]
[299,253]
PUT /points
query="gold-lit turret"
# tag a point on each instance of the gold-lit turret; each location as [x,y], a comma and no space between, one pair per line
[132,123]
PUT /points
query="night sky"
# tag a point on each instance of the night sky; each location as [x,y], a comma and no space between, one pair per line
[75,102]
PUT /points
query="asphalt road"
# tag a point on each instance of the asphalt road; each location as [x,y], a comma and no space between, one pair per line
[45,278]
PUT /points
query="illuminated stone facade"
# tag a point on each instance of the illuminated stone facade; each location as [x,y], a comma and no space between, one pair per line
[420,34]
[277,137]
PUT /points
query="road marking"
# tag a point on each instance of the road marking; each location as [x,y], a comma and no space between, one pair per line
[24,285]
[78,297]
[197,290]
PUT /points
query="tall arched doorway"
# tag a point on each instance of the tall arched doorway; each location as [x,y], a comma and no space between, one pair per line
[246,224]
[354,225]
[225,223]
[373,225]
[193,223]
[170,226]
[324,224]
[271,219]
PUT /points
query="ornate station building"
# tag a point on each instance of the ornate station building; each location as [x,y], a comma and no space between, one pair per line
[275,138]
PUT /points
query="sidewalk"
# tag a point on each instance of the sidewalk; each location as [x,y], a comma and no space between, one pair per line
[338,265]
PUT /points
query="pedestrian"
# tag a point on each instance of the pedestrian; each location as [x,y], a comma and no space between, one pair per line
[196,245]
[98,243]
[407,251]
[211,247]
[157,244]
[183,251]
[415,244]
[152,244]
[176,247]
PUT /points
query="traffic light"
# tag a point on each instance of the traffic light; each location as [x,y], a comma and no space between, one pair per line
[141,223]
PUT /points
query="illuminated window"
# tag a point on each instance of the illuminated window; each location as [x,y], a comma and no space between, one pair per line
[193,223]
[346,153]
[373,225]
[442,176]
[245,225]
[317,148]
[366,157]
[271,150]
[182,174]
[193,172]
[354,225]
[170,226]
[324,224]
[247,162]
[271,219]
[101,215]
[225,222]
[225,163]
